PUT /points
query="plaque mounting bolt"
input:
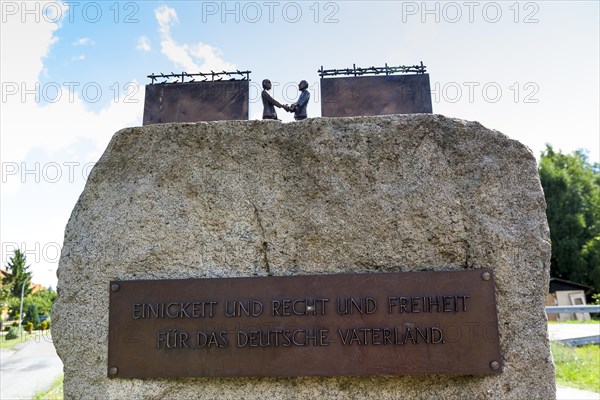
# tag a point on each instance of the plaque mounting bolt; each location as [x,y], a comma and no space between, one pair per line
[115,287]
[486,276]
[495,365]
[113,371]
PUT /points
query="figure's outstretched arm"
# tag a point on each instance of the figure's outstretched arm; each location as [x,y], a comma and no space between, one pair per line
[271,100]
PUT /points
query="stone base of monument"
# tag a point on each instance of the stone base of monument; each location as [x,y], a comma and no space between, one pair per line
[388,257]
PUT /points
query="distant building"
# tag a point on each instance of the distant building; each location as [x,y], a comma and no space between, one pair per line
[566,293]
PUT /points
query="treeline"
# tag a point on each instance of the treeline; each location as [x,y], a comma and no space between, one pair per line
[572,190]
[17,281]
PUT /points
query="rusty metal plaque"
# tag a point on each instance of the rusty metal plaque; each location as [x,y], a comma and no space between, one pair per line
[375,95]
[196,101]
[405,323]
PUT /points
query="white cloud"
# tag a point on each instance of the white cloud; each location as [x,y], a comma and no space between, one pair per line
[84,41]
[144,44]
[29,41]
[35,213]
[198,57]
[165,16]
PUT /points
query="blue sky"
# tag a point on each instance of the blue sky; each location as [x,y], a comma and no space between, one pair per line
[74,73]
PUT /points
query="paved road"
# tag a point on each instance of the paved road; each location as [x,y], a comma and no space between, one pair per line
[565,393]
[28,370]
[569,331]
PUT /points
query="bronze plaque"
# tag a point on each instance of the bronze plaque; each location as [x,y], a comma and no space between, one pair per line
[405,323]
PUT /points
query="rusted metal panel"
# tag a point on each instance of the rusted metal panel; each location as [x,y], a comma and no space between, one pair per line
[196,101]
[406,323]
[375,95]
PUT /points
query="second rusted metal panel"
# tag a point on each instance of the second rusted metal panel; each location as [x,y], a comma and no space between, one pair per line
[375,95]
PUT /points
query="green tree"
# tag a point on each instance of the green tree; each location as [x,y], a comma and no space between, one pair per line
[5,294]
[43,299]
[572,190]
[32,315]
[591,255]
[17,274]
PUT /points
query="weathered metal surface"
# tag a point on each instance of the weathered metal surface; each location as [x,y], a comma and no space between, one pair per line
[196,101]
[375,95]
[410,323]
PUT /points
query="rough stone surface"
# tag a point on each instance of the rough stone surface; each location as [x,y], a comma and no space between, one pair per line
[321,196]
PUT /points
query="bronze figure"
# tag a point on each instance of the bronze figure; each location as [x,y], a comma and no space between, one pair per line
[299,107]
[269,103]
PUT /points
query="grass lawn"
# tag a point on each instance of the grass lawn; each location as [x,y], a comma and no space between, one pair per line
[9,344]
[577,367]
[55,392]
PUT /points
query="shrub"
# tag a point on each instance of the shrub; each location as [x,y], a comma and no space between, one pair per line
[13,333]
[44,325]
[32,315]
[29,327]
[15,324]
